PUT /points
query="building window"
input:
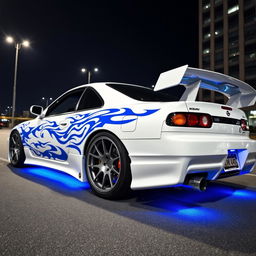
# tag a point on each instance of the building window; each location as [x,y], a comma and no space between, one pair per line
[233,60]
[218,58]
[216,2]
[206,7]
[250,15]
[233,37]
[219,12]
[220,70]
[207,21]
[251,56]
[206,18]
[252,119]
[234,71]
[233,55]
[251,82]
[219,42]
[218,29]
[218,32]
[233,9]
[250,31]
[206,51]
[250,52]
[233,21]
[206,44]
[206,61]
[250,70]
[249,3]
[206,36]
[206,33]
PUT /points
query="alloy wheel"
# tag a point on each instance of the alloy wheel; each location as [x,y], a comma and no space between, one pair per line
[15,148]
[104,164]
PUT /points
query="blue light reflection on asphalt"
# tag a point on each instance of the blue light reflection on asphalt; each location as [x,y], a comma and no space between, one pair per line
[185,211]
[185,204]
[58,178]
[246,194]
[199,213]
[199,207]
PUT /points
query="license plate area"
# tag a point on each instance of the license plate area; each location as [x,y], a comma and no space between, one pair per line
[231,161]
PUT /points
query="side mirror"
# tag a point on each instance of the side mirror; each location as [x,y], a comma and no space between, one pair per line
[36,110]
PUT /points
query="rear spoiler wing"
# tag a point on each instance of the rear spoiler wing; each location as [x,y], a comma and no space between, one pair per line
[239,93]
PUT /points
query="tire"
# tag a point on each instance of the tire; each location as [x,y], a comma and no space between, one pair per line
[108,166]
[16,150]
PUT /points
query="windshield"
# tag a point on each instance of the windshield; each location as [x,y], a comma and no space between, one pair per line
[146,94]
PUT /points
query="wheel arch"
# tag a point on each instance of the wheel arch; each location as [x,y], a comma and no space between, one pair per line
[123,186]
[14,130]
[22,155]
[91,136]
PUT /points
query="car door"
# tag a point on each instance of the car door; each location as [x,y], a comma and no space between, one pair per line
[53,130]
[85,120]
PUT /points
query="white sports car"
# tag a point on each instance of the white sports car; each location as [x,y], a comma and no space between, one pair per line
[120,136]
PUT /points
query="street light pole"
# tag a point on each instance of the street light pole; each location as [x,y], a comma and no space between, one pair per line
[89,73]
[47,100]
[89,77]
[18,46]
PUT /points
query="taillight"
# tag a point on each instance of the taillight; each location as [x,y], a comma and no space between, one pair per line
[179,119]
[192,120]
[205,121]
[244,125]
[189,120]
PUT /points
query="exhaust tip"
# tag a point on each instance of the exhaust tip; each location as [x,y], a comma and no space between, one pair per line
[197,182]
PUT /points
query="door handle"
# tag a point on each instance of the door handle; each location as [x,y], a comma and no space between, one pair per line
[63,123]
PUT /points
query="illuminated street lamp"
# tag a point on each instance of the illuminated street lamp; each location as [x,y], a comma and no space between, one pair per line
[18,45]
[9,39]
[84,70]
[8,110]
[47,100]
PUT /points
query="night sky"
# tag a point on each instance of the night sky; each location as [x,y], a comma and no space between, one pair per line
[129,41]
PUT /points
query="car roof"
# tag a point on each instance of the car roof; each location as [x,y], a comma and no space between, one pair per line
[96,85]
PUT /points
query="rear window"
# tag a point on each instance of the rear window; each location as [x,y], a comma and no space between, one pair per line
[146,94]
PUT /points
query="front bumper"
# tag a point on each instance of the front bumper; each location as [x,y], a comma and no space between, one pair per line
[168,160]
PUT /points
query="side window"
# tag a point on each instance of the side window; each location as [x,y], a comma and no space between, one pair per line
[66,103]
[90,99]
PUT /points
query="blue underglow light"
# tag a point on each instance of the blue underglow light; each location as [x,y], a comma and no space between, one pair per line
[245,194]
[195,212]
[58,178]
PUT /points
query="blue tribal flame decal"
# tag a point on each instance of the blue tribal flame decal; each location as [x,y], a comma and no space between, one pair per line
[78,128]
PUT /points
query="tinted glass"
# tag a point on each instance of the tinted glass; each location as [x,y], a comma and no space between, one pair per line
[90,99]
[145,94]
[65,104]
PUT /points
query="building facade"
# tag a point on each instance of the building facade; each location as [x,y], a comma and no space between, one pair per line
[227,41]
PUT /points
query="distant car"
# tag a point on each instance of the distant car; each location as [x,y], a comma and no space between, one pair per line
[120,137]
[1,124]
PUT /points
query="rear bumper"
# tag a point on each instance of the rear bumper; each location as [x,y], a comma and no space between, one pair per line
[167,161]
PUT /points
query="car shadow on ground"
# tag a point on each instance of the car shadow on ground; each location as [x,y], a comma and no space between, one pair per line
[223,216]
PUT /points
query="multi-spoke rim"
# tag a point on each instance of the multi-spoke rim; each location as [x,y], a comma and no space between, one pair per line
[14,147]
[104,163]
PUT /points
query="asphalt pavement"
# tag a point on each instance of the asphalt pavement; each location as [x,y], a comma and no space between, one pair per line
[4,133]
[46,212]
